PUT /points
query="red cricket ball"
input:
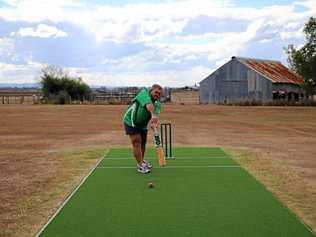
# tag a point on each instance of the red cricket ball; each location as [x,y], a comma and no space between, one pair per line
[151,185]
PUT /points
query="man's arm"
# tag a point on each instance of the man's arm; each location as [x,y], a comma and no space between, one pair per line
[154,117]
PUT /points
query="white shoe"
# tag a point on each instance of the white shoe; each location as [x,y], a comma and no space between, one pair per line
[143,169]
[148,164]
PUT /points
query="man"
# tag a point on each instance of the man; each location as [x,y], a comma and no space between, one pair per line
[144,110]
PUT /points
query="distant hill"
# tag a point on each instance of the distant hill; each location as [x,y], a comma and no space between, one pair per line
[20,85]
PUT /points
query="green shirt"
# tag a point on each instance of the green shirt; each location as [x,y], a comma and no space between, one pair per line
[137,114]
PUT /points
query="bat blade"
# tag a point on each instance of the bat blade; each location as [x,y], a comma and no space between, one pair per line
[159,151]
[160,156]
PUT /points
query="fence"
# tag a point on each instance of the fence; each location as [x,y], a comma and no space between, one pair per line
[112,98]
[20,96]
[19,99]
[36,97]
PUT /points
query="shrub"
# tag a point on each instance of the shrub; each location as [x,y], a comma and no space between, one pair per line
[58,87]
[63,98]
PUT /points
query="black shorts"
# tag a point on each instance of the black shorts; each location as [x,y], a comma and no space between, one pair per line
[134,130]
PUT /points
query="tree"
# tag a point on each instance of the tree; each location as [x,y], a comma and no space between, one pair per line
[60,88]
[303,60]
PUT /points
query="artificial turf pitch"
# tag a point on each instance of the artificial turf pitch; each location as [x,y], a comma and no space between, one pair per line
[202,192]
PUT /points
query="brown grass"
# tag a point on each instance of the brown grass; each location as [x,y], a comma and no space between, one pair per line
[284,181]
[45,150]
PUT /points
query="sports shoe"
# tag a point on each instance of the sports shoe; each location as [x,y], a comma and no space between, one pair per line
[148,164]
[143,169]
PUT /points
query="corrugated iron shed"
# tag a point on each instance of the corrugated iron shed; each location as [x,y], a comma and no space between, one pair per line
[272,70]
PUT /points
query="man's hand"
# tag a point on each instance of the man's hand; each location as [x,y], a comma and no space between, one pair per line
[150,107]
[154,122]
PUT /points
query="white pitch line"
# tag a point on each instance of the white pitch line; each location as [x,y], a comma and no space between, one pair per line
[68,198]
[187,158]
[117,167]
[203,166]
[174,166]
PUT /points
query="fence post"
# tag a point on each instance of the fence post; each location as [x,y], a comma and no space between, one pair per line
[34,99]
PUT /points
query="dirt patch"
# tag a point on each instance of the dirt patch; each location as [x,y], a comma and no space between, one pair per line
[36,173]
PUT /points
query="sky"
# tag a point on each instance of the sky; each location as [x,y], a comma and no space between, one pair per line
[138,43]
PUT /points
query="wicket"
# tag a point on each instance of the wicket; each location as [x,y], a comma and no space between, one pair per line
[166,139]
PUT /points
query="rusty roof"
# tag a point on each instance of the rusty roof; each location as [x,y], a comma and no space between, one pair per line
[275,71]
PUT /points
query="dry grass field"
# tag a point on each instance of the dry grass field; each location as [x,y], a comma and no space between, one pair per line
[45,150]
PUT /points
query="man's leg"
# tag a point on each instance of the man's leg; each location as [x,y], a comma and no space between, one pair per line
[143,150]
[144,141]
[136,140]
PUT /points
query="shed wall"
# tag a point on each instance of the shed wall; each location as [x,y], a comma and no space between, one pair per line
[235,82]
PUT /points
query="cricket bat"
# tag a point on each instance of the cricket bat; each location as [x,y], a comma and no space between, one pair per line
[159,151]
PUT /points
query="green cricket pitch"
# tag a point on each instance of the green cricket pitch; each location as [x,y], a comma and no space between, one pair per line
[202,192]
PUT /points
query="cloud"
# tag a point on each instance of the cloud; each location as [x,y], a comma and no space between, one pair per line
[166,78]
[42,31]
[202,24]
[6,46]
[12,73]
[152,22]
[175,41]
[34,11]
